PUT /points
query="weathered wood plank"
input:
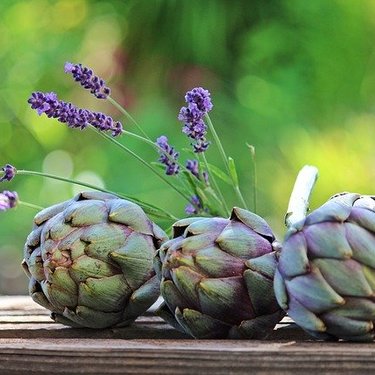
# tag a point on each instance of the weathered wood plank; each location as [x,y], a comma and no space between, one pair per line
[182,357]
[31,343]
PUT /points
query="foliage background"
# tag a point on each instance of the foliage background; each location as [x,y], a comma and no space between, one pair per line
[294,78]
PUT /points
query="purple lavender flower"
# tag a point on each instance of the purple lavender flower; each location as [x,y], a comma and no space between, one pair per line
[194,206]
[71,115]
[8,200]
[201,145]
[200,97]
[86,77]
[193,167]
[198,105]
[9,172]
[171,166]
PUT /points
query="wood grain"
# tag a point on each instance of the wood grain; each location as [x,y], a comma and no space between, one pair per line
[31,343]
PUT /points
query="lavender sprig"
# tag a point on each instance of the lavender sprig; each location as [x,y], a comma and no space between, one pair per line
[194,207]
[198,105]
[171,166]
[86,77]
[8,200]
[193,167]
[74,117]
[9,172]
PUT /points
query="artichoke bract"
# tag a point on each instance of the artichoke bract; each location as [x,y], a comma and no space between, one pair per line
[217,277]
[90,260]
[325,278]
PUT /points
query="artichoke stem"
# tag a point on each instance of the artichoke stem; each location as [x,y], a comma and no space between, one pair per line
[299,199]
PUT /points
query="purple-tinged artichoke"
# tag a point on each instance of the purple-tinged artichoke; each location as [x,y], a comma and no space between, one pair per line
[90,261]
[217,277]
[325,278]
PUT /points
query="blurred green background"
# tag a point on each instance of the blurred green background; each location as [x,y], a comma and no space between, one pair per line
[294,78]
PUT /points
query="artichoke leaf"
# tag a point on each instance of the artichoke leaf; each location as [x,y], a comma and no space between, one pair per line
[130,214]
[36,293]
[241,241]
[208,225]
[84,213]
[106,294]
[94,195]
[280,290]
[59,318]
[135,259]
[172,296]
[187,281]
[265,264]
[363,217]
[304,317]
[337,209]
[32,240]
[165,313]
[327,240]
[141,300]
[356,308]
[180,226]
[102,239]
[35,265]
[261,326]
[341,325]
[345,277]
[58,296]
[90,318]
[253,221]
[50,212]
[260,291]
[219,299]
[293,259]
[200,325]
[85,267]
[362,243]
[314,292]
[216,263]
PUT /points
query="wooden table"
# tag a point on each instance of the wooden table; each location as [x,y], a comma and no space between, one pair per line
[31,343]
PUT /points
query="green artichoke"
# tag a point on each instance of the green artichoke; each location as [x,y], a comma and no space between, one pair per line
[217,277]
[325,277]
[90,261]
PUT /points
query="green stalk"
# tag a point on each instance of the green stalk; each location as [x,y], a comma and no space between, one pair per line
[84,184]
[146,139]
[144,162]
[155,146]
[127,115]
[183,167]
[218,142]
[213,179]
[225,160]
[254,178]
[30,205]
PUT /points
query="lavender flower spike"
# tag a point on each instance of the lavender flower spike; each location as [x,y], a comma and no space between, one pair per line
[86,77]
[9,172]
[171,167]
[8,200]
[193,167]
[71,115]
[201,98]
[194,207]
[198,105]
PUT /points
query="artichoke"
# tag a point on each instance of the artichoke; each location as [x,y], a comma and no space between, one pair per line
[90,261]
[325,277]
[217,277]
